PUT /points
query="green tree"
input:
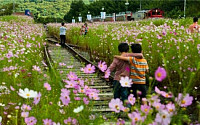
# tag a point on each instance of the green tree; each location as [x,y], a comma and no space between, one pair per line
[77,7]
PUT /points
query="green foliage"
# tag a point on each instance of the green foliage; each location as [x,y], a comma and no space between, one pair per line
[66,9]
[77,7]
[49,8]
[6,9]
[172,9]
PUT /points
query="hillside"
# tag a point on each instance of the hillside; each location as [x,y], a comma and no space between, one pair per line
[50,8]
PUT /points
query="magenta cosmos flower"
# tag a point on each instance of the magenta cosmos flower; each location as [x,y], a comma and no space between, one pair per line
[30,120]
[107,73]
[135,117]
[47,122]
[116,105]
[26,107]
[72,76]
[170,108]
[89,69]
[160,74]
[65,96]
[47,86]
[37,99]
[120,122]
[102,66]
[145,108]
[131,99]
[24,114]
[184,101]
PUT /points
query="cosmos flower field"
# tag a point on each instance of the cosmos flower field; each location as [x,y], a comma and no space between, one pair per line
[30,92]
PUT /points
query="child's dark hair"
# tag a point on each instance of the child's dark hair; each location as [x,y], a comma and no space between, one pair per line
[62,23]
[123,47]
[136,48]
[195,19]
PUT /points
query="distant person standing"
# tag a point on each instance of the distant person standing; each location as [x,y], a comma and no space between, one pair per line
[62,34]
[82,31]
[86,28]
[194,27]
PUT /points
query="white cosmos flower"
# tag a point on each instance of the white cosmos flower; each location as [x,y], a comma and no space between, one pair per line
[26,93]
[125,81]
[0,119]
[79,109]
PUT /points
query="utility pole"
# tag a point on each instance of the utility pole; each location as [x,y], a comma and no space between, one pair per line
[184,7]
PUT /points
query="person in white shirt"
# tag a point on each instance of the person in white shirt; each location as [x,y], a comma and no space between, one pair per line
[62,34]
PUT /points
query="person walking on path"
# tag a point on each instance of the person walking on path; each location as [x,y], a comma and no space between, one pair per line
[139,68]
[194,27]
[120,67]
[62,34]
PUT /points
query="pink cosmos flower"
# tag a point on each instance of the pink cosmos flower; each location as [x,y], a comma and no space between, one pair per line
[57,45]
[30,120]
[47,86]
[77,98]
[9,55]
[74,121]
[160,74]
[164,33]
[62,64]
[54,123]
[102,66]
[36,68]
[145,108]
[120,122]
[135,117]
[25,107]
[72,76]
[159,36]
[65,97]
[158,90]
[86,101]
[131,99]
[70,67]
[166,95]
[107,73]
[37,99]
[89,69]
[93,95]
[13,89]
[68,121]
[75,91]
[24,114]
[184,101]
[163,117]
[170,108]
[158,106]
[70,84]
[125,81]
[80,82]
[47,122]
[116,105]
